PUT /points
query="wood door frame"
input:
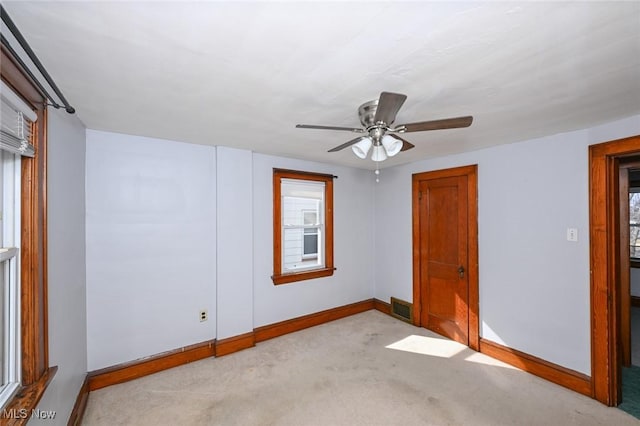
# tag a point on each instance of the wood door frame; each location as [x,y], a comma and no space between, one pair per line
[472,205]
[625,168]
[606,268]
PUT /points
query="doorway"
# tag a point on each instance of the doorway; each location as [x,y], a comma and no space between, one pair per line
[629,206]
[634,277]
[445,253]
[609,236]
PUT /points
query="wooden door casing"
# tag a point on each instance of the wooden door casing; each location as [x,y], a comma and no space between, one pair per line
[604,240]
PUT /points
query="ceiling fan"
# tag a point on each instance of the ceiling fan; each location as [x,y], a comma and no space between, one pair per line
[377,117]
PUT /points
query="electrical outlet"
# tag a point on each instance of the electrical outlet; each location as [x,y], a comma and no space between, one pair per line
[203,315]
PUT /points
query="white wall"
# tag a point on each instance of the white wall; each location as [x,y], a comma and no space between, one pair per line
[353,244]
[150,246]
[66,264]
[235,242]
[173,228]
[534,284]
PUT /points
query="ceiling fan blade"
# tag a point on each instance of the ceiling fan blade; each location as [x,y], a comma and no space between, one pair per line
[345,145]
[405,144]
[312,126]
[388,106]
[447,123]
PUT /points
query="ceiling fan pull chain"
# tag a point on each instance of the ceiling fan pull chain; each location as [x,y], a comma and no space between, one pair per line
[377,172]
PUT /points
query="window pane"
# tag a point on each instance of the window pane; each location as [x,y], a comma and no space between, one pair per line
[302,202]
[310,217]
[298,211]
[9,199]
[9,237]
[3,322]
[296,245]
[634,224]
[3,183]
[310,243]
[302,211]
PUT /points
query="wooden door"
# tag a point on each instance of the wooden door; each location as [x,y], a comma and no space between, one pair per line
[443,239]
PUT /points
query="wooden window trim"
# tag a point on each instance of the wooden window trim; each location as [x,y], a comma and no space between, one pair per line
[278,277]
[36,373]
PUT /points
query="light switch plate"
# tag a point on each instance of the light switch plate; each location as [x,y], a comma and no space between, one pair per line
[572,234]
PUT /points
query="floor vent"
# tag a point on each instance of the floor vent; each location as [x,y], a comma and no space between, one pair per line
[402,310]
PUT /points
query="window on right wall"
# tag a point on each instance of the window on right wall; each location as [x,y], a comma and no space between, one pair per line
[302,226]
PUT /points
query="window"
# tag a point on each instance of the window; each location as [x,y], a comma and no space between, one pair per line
[25,372]
[302,226]
[634,224]
[16,124]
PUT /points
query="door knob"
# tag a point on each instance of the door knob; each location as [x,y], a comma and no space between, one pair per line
[461,271]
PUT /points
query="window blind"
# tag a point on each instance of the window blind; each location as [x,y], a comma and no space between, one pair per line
[302,189]
[16,123]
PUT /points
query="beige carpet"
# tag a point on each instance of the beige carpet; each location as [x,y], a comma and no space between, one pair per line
[368,369]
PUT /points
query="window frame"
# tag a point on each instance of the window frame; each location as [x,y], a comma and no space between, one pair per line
[35,371]
[278,276]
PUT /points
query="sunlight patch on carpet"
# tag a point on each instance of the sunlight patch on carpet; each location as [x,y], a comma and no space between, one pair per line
[479,358]
[425,345]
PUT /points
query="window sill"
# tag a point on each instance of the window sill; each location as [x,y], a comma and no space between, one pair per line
[7,253]
[301,276]
[634,263]
[18,410]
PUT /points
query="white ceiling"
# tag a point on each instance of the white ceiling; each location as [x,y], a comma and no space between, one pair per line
[242,74]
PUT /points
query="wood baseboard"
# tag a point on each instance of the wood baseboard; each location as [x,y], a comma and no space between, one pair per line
[81,404]
[562,376]
[134,369]
[139,368]
[635,301]
[235,344]
[270,331]
[381,306]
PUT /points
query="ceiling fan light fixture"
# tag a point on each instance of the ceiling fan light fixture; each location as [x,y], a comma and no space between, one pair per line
[391,145]
[377,117]
[361,148]
[378,153]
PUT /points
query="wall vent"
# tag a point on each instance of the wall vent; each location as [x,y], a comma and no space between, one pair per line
[402,310]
